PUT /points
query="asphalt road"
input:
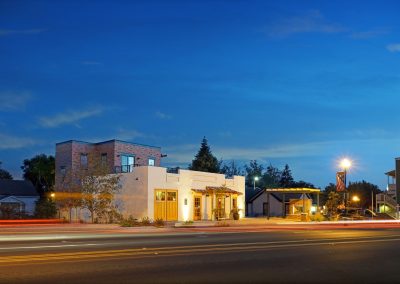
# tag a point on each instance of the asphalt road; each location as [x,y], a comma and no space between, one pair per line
[293,256]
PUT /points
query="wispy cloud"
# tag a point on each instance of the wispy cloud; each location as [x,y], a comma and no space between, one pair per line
[162,115]
[12,142]
[128,134]
[69,117]
[185,153]
[312,22]
[4,32]
[394,47]
[369,34]
[13,101]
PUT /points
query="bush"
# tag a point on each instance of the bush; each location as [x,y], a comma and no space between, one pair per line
[318,217]
[159,222]
[146,221]
[45,208]
[129,222]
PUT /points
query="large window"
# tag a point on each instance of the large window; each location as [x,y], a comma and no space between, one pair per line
[84,160]
[127,163]
[152,161]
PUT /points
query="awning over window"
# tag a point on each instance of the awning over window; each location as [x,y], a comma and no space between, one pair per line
[217,190]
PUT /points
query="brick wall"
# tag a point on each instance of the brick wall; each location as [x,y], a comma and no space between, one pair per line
[68,154]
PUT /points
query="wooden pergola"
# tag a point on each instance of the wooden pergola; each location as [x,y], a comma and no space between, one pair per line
[284,191]
[214,192]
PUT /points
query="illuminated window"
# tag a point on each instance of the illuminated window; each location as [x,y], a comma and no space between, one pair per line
[152,162]
[171,196]
[160,195]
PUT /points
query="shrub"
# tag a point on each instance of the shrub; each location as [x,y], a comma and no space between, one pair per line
[129,222]
[318,217]
[146,221]
[159,222]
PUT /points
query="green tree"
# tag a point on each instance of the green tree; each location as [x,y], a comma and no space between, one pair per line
[40,170]
[253,169]
[364,191]
[286,179]
[45,208]
[4,174]
[332,203]
[204,160]
[231,169]
[91,188]
[271,177]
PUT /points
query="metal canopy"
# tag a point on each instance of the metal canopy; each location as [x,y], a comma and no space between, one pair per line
[293,190]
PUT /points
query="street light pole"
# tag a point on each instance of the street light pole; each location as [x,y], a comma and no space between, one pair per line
[345,163]
[254,183]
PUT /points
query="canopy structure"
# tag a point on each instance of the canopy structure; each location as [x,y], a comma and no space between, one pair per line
[391,173]
[217,190]
[293,190]
[283,191]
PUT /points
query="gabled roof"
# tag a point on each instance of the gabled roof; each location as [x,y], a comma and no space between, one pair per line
[17,188]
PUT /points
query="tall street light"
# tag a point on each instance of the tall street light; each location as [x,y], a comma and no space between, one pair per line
[254,184]
[345,164]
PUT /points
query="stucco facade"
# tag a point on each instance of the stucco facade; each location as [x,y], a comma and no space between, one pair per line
[137,195]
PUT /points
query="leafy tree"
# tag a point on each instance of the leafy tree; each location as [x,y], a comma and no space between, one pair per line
[45,208]
[253,170]
[231,169]
[303,184]
[271,177]
[332,203]
[364,191]
[92,188]
[204,160]
[286,179]
[40,170]
[4,174]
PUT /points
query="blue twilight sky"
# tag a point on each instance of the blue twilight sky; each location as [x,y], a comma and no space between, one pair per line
[297,82]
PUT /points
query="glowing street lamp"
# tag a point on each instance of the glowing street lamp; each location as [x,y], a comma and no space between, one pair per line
[345,165]
[254,184]
[356,198]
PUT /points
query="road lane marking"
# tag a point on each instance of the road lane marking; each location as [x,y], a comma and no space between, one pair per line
[136,253]
[50,246]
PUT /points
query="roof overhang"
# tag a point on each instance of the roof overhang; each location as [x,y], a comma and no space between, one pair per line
[217,190]
[293,190]
[391,173]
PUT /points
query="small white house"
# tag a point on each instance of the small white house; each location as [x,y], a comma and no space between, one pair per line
[187,195]
[17,197]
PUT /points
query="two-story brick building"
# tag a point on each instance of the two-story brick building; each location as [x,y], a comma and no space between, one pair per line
[118,156]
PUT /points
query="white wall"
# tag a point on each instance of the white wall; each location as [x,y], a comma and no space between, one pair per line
[257,206]
[138,189]
[29,201]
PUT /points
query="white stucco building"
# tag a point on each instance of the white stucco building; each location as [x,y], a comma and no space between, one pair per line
[187,195]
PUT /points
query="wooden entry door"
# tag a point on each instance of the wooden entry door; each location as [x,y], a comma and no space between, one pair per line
[197,208]
[166,204]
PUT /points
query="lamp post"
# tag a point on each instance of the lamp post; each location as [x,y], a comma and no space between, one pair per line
[254,182]
[345,164]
